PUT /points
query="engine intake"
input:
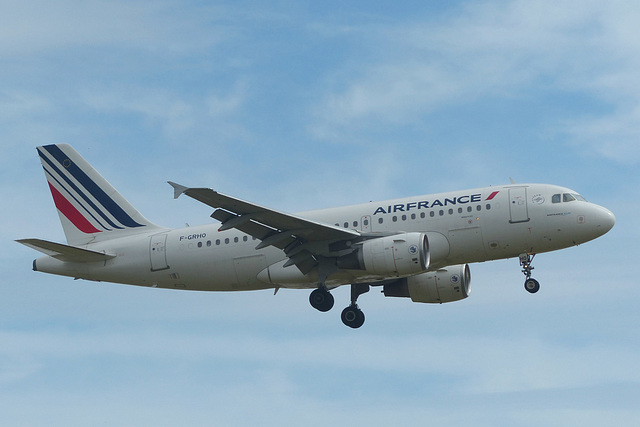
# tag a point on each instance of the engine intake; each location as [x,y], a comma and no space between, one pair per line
[448,284]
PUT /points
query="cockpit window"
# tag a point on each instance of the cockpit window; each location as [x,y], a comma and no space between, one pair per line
[567,197]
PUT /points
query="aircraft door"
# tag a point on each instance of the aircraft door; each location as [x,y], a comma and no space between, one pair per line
[158,253]
[518,205]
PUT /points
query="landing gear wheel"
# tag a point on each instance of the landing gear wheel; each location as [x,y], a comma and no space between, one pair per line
[531,285]
[321,300]
[353,317]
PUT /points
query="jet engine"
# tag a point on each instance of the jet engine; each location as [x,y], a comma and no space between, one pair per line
[448,284]
[398,255]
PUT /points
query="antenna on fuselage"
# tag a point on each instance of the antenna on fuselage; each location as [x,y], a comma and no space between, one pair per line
[512,181]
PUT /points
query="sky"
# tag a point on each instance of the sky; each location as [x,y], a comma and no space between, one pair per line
[304,105]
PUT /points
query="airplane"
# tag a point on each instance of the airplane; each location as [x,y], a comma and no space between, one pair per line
[416,247]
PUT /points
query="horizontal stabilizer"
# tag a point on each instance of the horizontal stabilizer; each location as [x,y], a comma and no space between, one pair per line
[65,252]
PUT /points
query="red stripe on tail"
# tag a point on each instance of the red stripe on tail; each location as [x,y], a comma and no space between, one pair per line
[72,214]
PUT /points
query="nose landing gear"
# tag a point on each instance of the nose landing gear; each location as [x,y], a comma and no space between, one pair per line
[530,284]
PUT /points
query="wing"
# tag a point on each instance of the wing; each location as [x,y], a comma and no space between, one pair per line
[302,240]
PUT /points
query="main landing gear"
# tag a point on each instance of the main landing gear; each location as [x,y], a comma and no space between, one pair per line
[352,316]
[530,284]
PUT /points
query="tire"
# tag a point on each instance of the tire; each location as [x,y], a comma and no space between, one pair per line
[531,285]
[353,317]
[321,300]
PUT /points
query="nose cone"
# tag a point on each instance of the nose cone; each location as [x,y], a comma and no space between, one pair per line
[605,220]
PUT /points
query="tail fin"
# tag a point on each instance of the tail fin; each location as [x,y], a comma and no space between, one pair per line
[90,209]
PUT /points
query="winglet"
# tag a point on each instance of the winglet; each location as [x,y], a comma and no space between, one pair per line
[177,189]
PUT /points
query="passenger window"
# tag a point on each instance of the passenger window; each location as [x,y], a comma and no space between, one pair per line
[199,244]
[478,208]
[226,241]
[355,223]
[365,222]
[422,215]
[394,219]
[555,198]
[208,243]
[441,212]
[245,238]
[488,206]
[235,240]
[380,220]
[432,214]
[459,210]
[217,242]
[404,217]
[346,225]
[469,209]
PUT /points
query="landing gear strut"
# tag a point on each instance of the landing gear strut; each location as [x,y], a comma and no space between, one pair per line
[352,316]
[530,284]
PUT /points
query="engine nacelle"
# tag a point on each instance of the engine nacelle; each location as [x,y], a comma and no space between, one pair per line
[398,255]
[448,284]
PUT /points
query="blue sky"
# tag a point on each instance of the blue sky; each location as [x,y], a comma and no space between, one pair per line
[303,105]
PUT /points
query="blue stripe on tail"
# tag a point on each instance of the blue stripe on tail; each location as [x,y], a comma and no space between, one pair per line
[75,189]
[90,186]
[79,202]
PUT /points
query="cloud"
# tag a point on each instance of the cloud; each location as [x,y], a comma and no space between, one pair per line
[15,105]
[35,26]
[613,136]
[499,50]
[531,364]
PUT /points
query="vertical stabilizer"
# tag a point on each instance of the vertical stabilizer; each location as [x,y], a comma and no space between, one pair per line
[90,209]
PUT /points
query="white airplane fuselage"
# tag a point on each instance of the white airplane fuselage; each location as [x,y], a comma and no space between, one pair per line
[462,227]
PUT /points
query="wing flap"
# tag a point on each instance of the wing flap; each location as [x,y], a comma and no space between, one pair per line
[65,252]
